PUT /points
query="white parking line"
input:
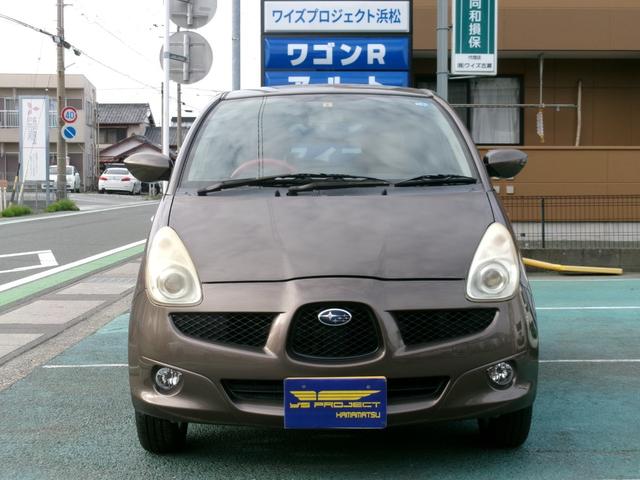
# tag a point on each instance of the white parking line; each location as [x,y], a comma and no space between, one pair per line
[612,307]
[73,214]
[595,360]
[94,365]
[62,268]
[46,258]
[571,279]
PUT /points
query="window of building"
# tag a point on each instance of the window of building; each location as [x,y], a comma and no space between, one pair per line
[75,103]
[8,112]
[112,135]
[89,113]
[488,126]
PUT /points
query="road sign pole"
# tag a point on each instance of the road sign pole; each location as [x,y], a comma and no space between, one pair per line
[165,66]
[443,50]
[235,38]
[61,191]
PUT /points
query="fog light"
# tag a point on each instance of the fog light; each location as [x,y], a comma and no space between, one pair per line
[167,379]
[501,374]
[493,278]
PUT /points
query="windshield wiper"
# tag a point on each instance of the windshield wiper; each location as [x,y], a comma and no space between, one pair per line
[289,179]
[330,181]
[439,179]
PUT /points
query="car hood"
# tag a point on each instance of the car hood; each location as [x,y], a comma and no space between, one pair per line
[401,236]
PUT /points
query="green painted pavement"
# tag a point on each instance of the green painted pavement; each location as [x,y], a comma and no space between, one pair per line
[77,422]
[28,289]
[587,293]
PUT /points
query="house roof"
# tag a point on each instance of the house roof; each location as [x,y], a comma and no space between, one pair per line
[154,134]
[126,147]
[124,114]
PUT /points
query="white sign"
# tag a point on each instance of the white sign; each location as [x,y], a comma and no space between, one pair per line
[34,138]
[474,49]
[337,16]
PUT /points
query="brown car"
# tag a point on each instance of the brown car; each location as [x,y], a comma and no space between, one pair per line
[331,257]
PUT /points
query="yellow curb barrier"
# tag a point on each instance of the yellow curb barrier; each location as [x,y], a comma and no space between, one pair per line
[555,267]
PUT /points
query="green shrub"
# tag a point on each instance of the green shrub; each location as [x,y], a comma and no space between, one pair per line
[15,211]
[62,205]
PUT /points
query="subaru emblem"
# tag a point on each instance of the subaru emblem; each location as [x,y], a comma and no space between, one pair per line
[334,317]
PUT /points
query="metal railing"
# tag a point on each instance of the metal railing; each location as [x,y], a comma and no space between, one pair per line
[10,119]
[575,221]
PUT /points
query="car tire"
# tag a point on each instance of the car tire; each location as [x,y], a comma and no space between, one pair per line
[101,190]
[506,431]
[157,435]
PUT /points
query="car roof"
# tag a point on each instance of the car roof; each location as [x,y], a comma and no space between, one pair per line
[326,89]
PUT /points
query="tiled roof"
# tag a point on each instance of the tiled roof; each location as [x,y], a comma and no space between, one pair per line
[124,113]
[154,134]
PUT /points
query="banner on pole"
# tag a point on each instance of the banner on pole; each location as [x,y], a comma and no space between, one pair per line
[34,138]
[475,37]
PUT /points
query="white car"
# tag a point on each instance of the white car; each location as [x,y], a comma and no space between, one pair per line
[119,179]
[73,179]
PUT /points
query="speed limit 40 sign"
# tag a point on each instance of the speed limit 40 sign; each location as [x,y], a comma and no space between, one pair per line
[69,114]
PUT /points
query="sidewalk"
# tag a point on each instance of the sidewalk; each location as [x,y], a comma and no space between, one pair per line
[27,325]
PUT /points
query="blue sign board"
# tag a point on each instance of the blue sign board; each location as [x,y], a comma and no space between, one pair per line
[355,402]
[307,77]
[336,42]
[69,132]
[336,53]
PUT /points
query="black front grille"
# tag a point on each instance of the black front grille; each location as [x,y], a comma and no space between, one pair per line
[310,338]
[428,326]
[398,390]
[245,329]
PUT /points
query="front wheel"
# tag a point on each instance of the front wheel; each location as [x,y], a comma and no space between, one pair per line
[158,435]
[507,431]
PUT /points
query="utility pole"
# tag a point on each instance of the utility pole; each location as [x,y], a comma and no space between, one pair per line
[179,114]
[166,87]
[443,49]
[61,191]
[179,119]
[235,38]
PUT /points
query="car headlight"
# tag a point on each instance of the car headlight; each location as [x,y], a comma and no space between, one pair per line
[494,273]
[170,276]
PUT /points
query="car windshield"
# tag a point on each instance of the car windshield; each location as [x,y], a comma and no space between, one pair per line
[54,170]
[389,137]
[117,171]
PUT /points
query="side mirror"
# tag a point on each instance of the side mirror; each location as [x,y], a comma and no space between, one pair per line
[505,163]
[149,166]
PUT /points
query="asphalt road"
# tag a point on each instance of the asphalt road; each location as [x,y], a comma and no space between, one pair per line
[105,222]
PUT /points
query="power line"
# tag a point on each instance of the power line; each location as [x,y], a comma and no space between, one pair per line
[79,52]
[109,32]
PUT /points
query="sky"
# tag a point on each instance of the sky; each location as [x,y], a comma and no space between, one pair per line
[126,35]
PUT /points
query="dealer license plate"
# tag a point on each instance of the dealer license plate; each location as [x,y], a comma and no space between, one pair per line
[340,402]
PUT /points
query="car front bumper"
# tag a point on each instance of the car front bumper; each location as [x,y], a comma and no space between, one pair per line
[204,397]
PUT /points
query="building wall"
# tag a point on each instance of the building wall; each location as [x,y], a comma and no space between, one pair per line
[549,25]
[594,41]
[610,99]
[576,171]
[81,150]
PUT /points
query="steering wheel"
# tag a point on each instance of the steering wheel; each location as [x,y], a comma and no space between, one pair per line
[265,161]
